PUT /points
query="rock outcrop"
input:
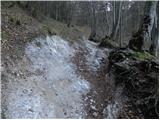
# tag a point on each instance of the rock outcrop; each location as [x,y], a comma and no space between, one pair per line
[140,81]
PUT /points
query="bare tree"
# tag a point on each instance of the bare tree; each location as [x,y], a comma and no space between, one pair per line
[117,6]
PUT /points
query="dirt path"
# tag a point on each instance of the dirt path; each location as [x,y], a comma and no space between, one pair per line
[92,63]
[56,79]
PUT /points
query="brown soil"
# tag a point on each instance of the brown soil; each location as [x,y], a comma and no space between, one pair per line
[100,94]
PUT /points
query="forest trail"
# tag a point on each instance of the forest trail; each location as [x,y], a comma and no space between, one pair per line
[58,79]
[95,59]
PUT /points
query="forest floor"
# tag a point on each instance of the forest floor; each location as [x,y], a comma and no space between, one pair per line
[58,79]
[50,70]
[35,82]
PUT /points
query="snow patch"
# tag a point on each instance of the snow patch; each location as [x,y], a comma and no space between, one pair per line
[54,90]
[95,57]
[111,111]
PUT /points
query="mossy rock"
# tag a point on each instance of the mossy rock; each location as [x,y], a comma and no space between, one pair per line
[108,42]
[48,30]
[116,57]
[142,55]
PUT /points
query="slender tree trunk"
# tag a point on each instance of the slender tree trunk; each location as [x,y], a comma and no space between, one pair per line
[117,22]
[121,32]
[114,13]
[93,23]
[106,23]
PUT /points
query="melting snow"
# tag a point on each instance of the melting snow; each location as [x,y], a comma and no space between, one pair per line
[56,90]
[111,111]
[53,89]
[96,56]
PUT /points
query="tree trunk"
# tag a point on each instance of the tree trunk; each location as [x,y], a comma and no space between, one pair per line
[155,35]
[142,39]
[120,32]
[93,23]
[117,22]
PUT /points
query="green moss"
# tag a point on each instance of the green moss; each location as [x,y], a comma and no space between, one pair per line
[47,30]
[5,35]
[142,55]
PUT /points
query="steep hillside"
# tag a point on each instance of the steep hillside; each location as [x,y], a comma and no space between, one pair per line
[19,27]
[49,68]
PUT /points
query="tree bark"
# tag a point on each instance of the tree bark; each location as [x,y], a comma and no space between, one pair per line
[117,22]
[142,39]
[155,35]
[93,22]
